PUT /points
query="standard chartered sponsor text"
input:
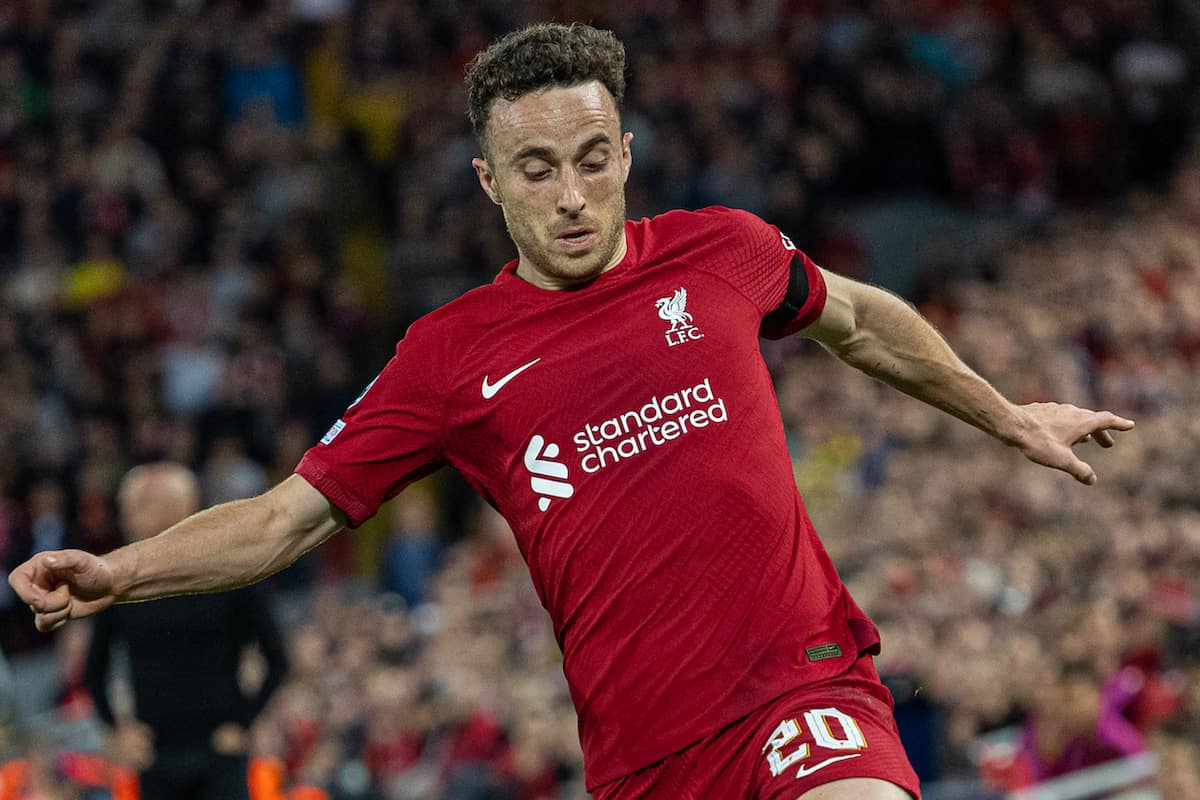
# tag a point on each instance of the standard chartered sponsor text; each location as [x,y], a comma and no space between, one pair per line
[654,423]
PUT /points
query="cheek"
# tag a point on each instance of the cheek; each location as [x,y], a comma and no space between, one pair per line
[532,199]
[522,215]
[519,218]
[606,189]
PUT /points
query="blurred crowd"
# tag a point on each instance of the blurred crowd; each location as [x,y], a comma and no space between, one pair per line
[463,697]
[216,218]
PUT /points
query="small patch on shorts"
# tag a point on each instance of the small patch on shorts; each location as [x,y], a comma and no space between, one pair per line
[823,651]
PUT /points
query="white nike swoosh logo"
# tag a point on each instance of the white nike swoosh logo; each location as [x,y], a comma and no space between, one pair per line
[490,389]
[805,771]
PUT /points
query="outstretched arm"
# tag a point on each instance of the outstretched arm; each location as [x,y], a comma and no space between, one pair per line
[886,338]
[223,547]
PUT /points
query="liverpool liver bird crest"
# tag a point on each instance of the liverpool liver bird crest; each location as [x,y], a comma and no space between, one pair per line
[672,309]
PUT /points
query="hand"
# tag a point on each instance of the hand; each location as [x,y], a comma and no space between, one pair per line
[230,739]
[63,584]
[131,744]
[1054,428]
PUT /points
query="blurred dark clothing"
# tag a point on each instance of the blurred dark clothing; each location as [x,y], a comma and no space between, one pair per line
[409,562]
[185,658]
[196,774]
[920,724]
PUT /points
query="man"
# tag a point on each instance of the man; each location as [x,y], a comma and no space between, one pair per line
[607,396]
[189,738]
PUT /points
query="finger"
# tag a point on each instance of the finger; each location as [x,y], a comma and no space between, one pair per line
[22,582]
[51,602]
[58,597]
[1097,426]
[54,600]
[52,620]
[33,580]
[84,608]
[1109,420]
[64,570]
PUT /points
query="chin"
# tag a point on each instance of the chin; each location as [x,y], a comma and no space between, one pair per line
[572,267]
[580,269]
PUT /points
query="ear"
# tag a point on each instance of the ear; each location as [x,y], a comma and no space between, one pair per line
[487,180]
[626,154]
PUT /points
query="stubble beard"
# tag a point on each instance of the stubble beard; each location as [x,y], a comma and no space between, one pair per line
[561,267]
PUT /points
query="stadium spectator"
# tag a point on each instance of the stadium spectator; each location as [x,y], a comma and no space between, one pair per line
[187,732]
[411,555]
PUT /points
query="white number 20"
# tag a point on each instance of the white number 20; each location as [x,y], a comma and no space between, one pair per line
[818,722]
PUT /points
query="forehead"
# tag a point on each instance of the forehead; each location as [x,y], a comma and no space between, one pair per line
[558,118]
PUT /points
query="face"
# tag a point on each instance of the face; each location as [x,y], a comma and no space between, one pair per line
[152,498]
[556,165]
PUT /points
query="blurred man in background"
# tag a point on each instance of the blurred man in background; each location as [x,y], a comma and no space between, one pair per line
[188,730]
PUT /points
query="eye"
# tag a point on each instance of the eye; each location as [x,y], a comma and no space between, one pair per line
[595,166]
[537,175]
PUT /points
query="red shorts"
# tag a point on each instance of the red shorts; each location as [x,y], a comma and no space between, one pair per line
[838,728]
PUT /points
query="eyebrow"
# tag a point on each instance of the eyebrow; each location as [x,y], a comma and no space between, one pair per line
[546,154]
[543,153]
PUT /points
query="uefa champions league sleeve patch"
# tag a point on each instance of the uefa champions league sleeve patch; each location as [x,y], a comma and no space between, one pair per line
[333,432]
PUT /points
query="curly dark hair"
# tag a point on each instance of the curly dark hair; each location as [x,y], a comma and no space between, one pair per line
[538,57]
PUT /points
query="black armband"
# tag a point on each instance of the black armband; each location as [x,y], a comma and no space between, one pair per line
[776,323]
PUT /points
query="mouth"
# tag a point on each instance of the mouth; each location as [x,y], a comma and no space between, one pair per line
[574,239]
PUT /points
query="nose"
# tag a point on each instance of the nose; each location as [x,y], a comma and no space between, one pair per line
[570,199]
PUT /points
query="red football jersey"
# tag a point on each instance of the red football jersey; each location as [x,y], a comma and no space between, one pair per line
[629,432]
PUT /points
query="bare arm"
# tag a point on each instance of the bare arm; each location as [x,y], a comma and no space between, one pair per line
[227,546]
[887,339]
[223,547]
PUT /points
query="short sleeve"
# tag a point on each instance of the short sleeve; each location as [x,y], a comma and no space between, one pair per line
[389,437]
[767,267]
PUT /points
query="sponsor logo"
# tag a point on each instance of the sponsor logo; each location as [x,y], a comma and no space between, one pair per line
[652,424]
[673,310]
[601,444]
[805,770]
[490,389]
[548,477]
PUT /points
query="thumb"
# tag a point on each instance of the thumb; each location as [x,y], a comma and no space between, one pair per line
[64,564]
[75,571]
[1063,458]
[1080,469]
[57,559]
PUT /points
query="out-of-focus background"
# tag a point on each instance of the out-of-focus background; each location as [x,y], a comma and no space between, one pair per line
[217,217]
